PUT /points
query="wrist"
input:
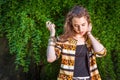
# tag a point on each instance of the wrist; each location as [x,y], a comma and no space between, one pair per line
[52,35]
[52,39]
[51,43]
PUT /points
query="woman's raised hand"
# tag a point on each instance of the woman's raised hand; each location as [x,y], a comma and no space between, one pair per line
[51,27]
[90,27]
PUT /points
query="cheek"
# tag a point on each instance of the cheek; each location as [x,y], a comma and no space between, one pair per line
[76,29]
[85,28]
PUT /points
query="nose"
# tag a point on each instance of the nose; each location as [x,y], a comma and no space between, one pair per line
[80,28]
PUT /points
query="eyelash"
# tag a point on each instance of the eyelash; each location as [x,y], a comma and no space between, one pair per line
[83,24]
[78,25]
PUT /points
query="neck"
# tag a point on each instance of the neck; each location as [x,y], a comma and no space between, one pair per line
[80,39]
[79,36]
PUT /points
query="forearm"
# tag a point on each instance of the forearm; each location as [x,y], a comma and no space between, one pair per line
[97,46]
[51,44]
[51,52]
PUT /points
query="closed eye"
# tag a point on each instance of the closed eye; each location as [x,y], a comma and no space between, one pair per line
[76,25]
[83,24]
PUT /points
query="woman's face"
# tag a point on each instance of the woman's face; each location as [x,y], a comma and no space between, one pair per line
[80,25]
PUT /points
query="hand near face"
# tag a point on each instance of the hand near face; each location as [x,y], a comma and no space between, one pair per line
[89,27]
[51,27]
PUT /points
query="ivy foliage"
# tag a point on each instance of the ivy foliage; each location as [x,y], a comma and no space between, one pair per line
[22,22]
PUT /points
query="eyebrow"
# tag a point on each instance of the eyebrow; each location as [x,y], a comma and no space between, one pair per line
[83,23]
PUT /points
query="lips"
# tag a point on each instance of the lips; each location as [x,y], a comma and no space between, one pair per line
[81,32]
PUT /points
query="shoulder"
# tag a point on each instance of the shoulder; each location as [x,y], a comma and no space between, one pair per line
[89,44]
[68,41]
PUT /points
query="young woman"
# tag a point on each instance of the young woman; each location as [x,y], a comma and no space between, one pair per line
[77,47]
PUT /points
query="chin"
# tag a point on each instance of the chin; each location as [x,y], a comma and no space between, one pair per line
[83,33]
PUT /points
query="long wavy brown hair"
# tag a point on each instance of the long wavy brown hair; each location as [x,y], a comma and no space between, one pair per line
[76,11]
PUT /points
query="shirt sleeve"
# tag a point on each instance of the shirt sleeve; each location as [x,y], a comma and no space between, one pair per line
[101,53]
[58,49]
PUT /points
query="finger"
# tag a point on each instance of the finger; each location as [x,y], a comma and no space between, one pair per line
[48,24]
[53,25]
[90,25]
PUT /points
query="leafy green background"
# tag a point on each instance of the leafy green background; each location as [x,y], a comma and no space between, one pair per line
[22,23]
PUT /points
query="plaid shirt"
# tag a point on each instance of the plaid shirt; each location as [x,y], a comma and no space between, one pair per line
[67,52]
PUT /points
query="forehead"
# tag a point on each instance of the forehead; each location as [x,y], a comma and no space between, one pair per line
[77,20]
